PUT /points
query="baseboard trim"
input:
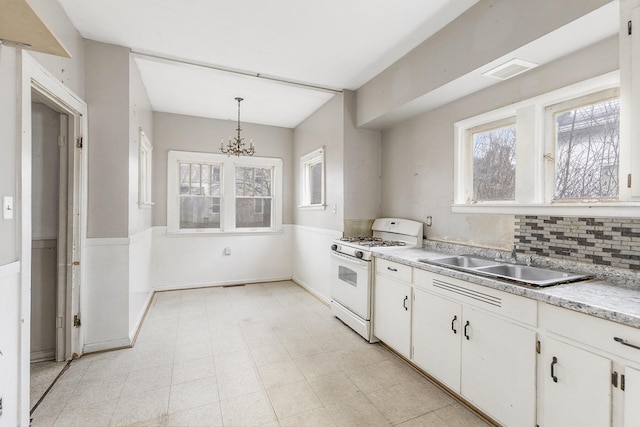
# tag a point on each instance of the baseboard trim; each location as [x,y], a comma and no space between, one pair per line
[325,300]
[214,284]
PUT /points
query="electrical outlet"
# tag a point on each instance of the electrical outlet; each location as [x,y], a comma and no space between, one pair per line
[7,207]
[429,221]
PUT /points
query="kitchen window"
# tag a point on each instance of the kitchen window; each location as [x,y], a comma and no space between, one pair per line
[586,147]
[312,180]
[560,152]
[215,193]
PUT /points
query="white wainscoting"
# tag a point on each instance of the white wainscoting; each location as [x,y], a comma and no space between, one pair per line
[140,267]
[10,361]
[312,260]
[105,294]
[197,260]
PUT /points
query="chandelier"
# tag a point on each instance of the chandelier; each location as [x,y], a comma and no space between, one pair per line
[236,145]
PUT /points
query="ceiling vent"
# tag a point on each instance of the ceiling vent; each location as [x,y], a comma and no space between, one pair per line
[510,69]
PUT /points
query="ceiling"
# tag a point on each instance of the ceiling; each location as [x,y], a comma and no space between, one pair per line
[284,57]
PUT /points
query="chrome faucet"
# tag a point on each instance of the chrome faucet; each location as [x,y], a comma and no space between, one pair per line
[513,258]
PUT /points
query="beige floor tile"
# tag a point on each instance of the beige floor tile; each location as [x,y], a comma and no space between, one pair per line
[95,414]
[315,418]
[275,374]
[192,370]
[133,409]
[249,410]
[398,404]
[138,382]
[193,394]
[333,388]
[272,353]
[43,374]
[428,420]
[89,392]
[302,348]
[371,377]
[317,365]
[356,412]
[292,399]
[231,362]
[201,416]
[457,415]
[239,383]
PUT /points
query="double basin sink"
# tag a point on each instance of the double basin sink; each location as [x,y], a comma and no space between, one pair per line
[533,276]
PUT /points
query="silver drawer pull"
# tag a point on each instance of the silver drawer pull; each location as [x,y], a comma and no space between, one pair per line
[623,342]
[392,269]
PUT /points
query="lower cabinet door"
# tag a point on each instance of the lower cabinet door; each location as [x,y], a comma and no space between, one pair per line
[575,386]
[631,397]
[499,368]
[437,328]
[392,313]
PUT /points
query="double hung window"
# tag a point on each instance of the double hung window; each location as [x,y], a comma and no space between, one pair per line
[216,193]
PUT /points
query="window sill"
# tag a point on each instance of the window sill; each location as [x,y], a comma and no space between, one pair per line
[605,209]
[312,207]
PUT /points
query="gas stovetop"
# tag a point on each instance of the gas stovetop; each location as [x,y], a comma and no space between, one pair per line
[371,242]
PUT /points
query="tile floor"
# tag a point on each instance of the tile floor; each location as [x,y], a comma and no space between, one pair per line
[257,355]
[43,374]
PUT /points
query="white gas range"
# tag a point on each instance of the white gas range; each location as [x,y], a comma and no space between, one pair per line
[352,271]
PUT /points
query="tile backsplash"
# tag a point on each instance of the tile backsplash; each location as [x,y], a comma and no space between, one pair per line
[611,242]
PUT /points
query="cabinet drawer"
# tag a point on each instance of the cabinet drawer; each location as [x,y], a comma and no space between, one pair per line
[513,306]
[590,330]
[393,269]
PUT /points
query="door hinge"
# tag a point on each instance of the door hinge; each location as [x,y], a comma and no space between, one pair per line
[76,320]
[614,379]
[75,263]
[538,346]
[629,181]
[629,28]
[79,142]
[622,382]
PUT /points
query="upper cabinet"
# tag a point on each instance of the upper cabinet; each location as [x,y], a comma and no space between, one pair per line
[20,26]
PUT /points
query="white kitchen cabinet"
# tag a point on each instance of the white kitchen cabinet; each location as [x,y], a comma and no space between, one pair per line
[575,386]
[437,330]
[499,367]
[488,359]
[392,306]
[631,397]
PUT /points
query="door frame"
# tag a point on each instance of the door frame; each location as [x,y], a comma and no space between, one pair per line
[34,77]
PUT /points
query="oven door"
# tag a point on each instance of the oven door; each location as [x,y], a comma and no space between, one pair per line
[351,284]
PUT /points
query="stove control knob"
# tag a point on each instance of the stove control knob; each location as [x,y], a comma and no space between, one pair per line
[334,247]
[359,254]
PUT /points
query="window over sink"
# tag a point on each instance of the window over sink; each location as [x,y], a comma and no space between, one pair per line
[215,193]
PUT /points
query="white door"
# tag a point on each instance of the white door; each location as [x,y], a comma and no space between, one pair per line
[631,397]
[437,329]
[392,313]
[575,386]
[499,368]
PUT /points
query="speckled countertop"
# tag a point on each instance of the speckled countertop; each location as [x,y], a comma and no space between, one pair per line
[595,297]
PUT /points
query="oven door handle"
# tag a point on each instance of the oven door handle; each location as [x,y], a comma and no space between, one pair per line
[352,260]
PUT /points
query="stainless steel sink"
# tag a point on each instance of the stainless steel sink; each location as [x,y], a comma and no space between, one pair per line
[460,261]
[528,275]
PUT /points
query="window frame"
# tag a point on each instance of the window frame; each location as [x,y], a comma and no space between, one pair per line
[228,194]
[313,158]
[532,181]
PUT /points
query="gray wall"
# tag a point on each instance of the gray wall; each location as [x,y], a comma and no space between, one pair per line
[417,155]
[187,133]
[107,94]
[325,128]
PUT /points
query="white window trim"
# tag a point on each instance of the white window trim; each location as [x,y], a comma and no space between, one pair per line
[532,197]
[227,196]
[315,157]
[145,162]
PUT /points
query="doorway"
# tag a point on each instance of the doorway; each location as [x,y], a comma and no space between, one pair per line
[52,202]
